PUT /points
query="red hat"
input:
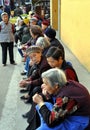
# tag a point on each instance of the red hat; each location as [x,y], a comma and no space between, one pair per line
[36,16]
[45,22]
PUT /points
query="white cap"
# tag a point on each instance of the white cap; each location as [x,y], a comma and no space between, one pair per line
[4,13]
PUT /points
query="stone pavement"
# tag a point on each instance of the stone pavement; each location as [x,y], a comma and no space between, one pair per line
[11,107]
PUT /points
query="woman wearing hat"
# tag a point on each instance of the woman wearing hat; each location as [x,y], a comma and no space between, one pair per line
[50,35]
[35,81]
[45,24]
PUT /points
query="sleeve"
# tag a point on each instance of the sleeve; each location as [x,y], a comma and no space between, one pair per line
[0,27]
[71,75]
[41,69]
[61,109]
[36,82]
[36,79]
[13,28]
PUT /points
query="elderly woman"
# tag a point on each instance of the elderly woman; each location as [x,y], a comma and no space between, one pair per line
[44,44]
[69,110]
[35,80]
[7,39]
[35,32]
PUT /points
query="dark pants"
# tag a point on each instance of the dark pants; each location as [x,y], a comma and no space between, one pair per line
[18,36]
[7,46]
[33,91]
[33,118]
[88,128]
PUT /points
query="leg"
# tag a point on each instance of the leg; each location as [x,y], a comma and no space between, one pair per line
[4,53]
[33,118]
[27,64]
[20,52]
[32,92]
[11,53]
[16,38]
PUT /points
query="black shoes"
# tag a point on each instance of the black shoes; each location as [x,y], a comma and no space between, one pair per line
[23,90]
[26,115]
[23,97]
[15,45]
[3,65]
[14,63]
[28,101]
[10,63]
[23,73]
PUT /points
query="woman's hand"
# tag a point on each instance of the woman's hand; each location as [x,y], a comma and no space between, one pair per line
[23,83]
[38,99]
[44,92]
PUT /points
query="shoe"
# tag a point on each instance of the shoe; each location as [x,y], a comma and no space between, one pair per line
[3,65]
[23,90]
[15,45]
[24,98]
[26,115]
[23,73]
[28,101]
[24,78]
[14,63]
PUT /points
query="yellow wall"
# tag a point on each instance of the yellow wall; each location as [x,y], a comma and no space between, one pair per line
[75,28]
[54,13]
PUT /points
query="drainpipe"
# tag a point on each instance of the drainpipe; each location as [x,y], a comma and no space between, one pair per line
[59,19]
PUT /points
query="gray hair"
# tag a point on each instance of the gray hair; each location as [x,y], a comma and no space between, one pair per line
[42,42]
[54,77]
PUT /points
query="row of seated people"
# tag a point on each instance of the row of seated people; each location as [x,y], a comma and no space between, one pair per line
[49,34]
[23,35]
[23,23]
[24,45]
[66,106]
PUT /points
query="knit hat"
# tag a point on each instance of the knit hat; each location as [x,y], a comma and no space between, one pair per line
[51,33]
[33,19]
[36,16]
[45,22]
[4,13]
[33,49]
